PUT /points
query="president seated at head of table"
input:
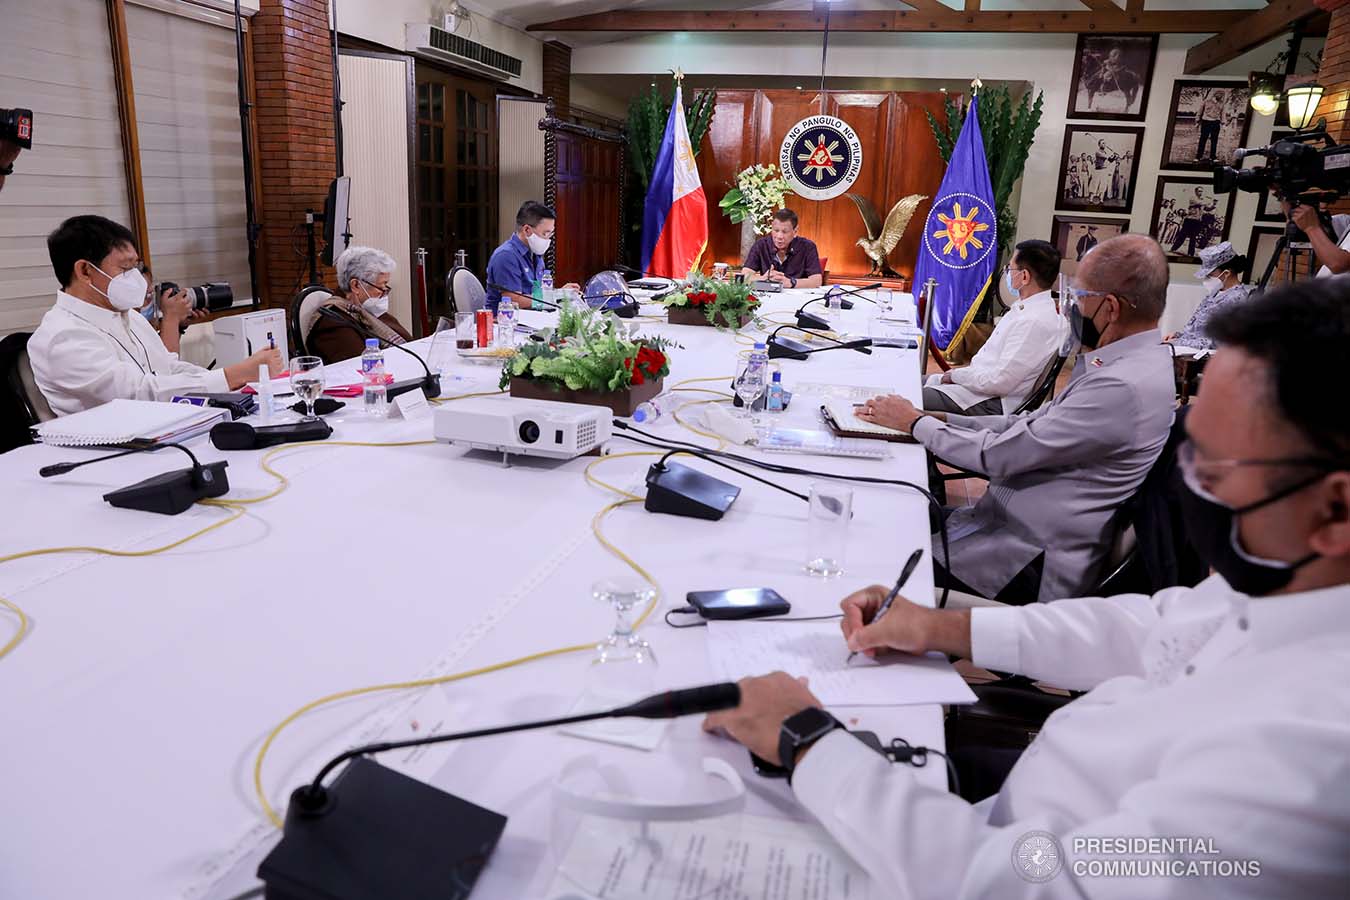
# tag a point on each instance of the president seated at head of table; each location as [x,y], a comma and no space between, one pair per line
[784,256]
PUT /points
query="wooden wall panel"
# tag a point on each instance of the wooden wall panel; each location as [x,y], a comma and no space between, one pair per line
[900,158]
[587,205]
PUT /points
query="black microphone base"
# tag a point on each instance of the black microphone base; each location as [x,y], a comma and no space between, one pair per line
[786,348]
[380,835]
[811,321]
[681,491]
[173,492]
[430,385]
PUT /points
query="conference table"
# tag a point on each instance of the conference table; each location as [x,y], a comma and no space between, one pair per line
[138,701]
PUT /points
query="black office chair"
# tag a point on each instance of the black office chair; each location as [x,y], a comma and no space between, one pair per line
[1043,390]
[464,291]
[21,403]
[296,333]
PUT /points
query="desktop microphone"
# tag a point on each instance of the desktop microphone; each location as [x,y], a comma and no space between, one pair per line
[168,493]
[243,436]
[501,289]
[848,304]
[781,347]
[376,833]
[430,383]
[812,321]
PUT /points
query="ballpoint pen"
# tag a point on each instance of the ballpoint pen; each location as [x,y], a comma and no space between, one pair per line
[910,565]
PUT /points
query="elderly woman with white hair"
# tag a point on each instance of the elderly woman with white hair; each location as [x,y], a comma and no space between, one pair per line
[362,301]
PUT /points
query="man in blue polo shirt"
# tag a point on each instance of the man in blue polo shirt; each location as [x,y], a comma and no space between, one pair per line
[519,262]
[783,256]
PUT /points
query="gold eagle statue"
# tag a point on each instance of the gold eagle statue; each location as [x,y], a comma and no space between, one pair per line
[881,239]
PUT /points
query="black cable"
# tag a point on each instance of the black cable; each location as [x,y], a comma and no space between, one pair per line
[902,751]
[793,470]
[702,454]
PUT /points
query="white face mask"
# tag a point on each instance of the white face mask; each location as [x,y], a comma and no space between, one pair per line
[1212,284]
[1012,288]
[126,291]
[539,245]
[376,306]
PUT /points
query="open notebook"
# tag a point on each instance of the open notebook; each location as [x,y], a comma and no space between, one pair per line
[838,414]
[129,423]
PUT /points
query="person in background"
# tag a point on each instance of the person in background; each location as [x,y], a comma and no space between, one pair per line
[1086,242]
[171,314]
[1211,118]
[94,346]
[784,256]
[519,262]
[1222,270]
[1058,476]
[1005,369]
[361,305]
[1332,250]
[1217,712]
[1193,226]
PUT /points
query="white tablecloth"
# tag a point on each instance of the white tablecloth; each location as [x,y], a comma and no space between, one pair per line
[135,707]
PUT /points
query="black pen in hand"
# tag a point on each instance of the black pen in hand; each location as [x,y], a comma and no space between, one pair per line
[910,565]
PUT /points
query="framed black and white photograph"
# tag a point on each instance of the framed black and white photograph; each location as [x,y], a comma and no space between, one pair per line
[1260,251]
[1188,216]
[1267,207]
[1098,168]
[1206,123]
[1074,236]
[1111,76]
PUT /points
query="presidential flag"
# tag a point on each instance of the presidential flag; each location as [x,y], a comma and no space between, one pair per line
[675,218]
[960,237]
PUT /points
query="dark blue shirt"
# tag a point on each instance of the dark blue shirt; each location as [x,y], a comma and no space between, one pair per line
[513,265]
[801,259]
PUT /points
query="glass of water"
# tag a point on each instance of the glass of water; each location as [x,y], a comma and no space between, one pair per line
[831,507]
[442,352]
[307,382]
[885,300]
[749,385]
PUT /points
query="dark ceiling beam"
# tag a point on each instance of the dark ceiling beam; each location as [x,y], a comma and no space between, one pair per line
[948,19]
[1252,30]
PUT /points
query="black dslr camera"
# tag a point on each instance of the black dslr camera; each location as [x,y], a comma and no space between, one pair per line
[16,126]
[211,296]
[1294,167]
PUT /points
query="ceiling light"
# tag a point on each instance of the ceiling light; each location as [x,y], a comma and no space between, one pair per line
[1303,101]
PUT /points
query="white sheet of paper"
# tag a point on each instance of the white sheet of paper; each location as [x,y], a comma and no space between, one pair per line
[412,405]
[817,650]
[727,857]
[642,734]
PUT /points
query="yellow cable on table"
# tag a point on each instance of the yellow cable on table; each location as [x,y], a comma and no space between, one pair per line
[18,635]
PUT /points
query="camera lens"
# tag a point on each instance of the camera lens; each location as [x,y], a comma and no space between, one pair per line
[211,297]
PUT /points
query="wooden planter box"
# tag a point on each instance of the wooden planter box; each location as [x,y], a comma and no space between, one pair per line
[694,315]
[622,403]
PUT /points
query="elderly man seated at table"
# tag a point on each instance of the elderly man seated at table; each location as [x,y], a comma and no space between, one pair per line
[1058,475]
[1222,269]
[784,256]
[361,307]
[94,346]
[1004,371]
[1215,719]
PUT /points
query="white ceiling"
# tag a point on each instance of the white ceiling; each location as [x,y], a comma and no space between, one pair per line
[529,12]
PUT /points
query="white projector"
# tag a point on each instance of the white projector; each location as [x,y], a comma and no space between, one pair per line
[527,427]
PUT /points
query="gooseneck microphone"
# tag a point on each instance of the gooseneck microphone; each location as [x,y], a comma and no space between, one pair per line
[377,833]
[168,493]
[503,289]
[786,348]
[813,321]
[430,383]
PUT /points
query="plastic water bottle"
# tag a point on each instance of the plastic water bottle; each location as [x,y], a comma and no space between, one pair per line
[373,389]
[506,322]
[759,357]
[654,409]
[546,286]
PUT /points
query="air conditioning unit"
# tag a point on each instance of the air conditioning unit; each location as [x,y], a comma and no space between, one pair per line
[436,43]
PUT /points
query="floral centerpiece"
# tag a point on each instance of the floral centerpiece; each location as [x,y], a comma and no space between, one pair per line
[723,304]
[759,191]
[588,359]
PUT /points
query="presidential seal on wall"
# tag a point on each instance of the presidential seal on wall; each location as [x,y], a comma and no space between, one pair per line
[821,157]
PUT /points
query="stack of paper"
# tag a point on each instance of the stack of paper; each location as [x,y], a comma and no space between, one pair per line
[130,423]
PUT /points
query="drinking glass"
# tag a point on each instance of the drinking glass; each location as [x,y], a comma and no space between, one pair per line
[466,331]
[830,509]
[885,299]
[307,382]
[623,668]
[442,349]
[749,385]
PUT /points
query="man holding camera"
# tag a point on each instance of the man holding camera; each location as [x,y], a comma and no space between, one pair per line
[1335,257]
[170,310]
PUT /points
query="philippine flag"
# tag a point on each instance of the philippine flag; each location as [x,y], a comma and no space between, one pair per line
[675,219]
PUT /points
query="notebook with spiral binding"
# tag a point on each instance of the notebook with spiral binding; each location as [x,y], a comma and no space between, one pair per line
[839,415]
[129,423]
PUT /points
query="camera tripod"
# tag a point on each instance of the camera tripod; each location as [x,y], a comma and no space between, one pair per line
[1288,241]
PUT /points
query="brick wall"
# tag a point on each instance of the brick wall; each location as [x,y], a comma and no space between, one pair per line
[293,60]
[558,75]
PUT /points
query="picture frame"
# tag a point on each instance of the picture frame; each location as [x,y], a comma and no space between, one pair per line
[1084,184]
[1260,248]
[1074,235]
[1186,211]
[1190,136]
[1111,76]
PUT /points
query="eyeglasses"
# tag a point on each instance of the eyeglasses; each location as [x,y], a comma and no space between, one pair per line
[1201,474]
[382,291]
[1076,294]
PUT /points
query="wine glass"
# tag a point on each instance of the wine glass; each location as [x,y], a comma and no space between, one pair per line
[749,385]
[624,667]
[307,382]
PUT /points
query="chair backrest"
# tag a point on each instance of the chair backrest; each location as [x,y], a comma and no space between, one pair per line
[465,291]
[21,402]
[295,319]
[1045,385]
